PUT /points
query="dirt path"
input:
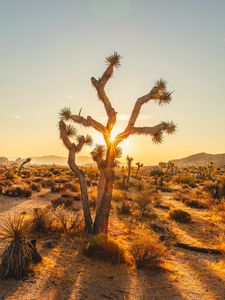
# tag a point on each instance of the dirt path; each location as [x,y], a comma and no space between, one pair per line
[196,275]
[10,206]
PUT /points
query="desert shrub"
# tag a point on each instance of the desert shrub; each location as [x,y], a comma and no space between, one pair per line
[35,187]
[88,181]
[215,189]
[73,187]
[57,188]
[156,172]
[66,199]
[104,248]
[185,178]
[61,180]
[67,202]
[180,215]
[139,186]
[124,208]
[25,174]
[93,197]
[19,251]
[147,253]
[42,220]
[18,191]
[49,183]
[195,204]
[143,200]
[9,175]
[37,180]
[47,220]
[118,195]
[219,210]
[166,189]
[71,221]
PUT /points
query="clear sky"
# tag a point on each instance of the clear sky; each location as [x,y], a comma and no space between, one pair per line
[49,49]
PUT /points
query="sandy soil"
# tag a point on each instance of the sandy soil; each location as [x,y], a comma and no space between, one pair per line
[66,274]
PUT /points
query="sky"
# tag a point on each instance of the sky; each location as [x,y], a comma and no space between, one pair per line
[49,49]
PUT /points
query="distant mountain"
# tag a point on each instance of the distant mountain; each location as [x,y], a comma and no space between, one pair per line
[200,159]
[59,160]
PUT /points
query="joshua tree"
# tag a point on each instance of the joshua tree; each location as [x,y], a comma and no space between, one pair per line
[201,172]
[170,168]
[67,132]
[158,94]
[139,165]
[129,163]
[22,165]
[163,166]
[210,169]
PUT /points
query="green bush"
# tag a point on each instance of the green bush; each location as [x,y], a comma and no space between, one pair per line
[180,215]
[104,248]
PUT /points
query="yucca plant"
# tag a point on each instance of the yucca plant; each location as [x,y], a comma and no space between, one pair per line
[19,251]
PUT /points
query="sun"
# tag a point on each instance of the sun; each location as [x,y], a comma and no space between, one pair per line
[125,144]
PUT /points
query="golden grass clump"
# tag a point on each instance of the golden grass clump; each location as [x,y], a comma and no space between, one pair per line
[147,252]
[104,248]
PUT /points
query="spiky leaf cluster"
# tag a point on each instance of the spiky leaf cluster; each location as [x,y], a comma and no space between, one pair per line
[157,138]
[71,131]
[65,114]
[118,152]
[170,127]
[114,59]
[13,228]
[98,152]
[161,84]
[86,140]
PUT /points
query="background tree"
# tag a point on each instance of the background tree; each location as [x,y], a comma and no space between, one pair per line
[26,161]
[139,165]
[129,164]
[158,94]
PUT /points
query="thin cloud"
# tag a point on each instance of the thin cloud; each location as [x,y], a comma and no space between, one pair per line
[69,97]
[16,116]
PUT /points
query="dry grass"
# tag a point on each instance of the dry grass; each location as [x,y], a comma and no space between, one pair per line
[147,252]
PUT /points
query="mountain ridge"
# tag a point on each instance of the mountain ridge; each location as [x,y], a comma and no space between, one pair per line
[201,158]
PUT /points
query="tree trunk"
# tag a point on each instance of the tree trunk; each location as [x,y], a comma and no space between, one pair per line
[128,175]
[21,167]
[101,186]
[138,168]
[103,210]
[84,191]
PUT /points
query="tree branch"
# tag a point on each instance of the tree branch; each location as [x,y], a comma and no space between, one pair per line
[158,93]
[154,131]
[112,61]
[89,122]
[64,137]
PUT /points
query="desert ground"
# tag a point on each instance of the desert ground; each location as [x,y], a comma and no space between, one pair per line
[65,272]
